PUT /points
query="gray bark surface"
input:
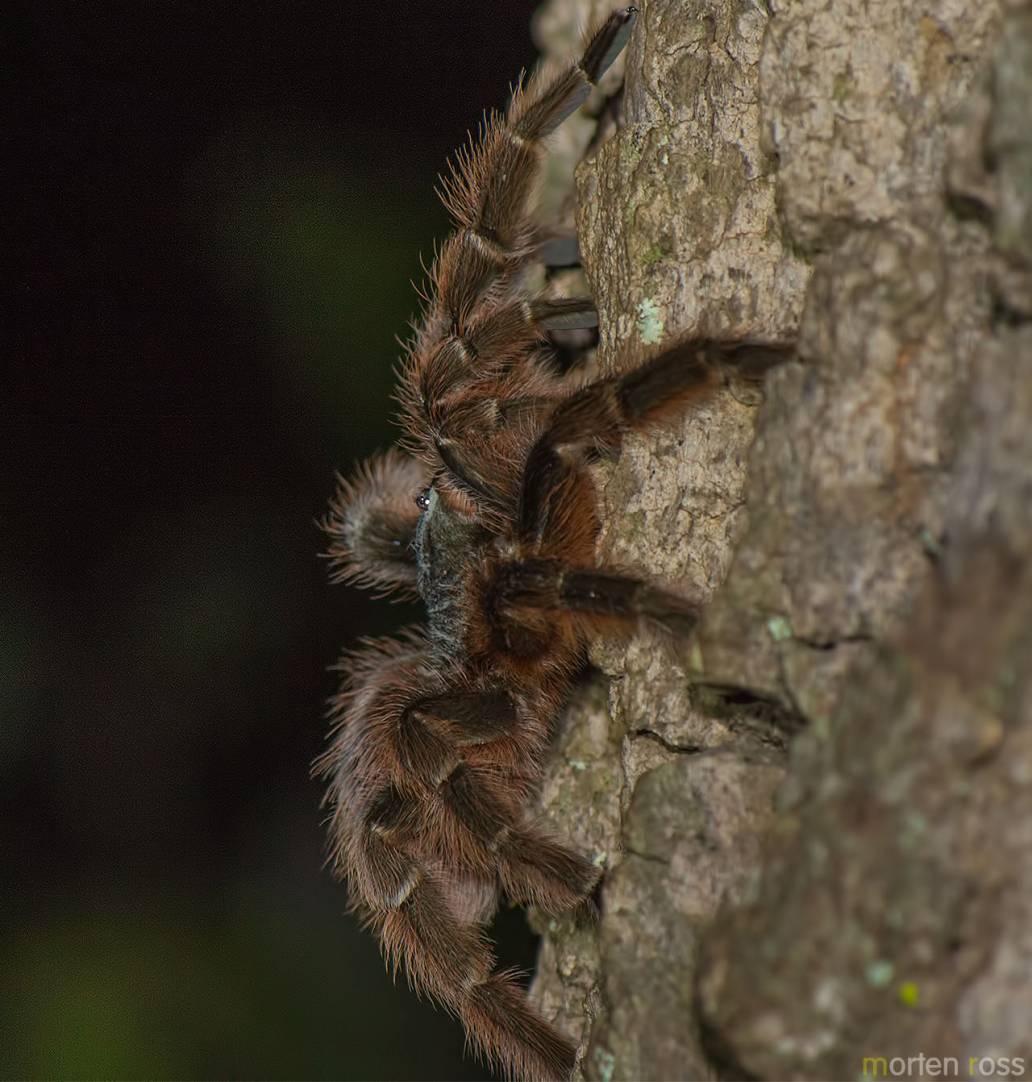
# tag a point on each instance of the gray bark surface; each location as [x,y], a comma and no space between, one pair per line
[816,817]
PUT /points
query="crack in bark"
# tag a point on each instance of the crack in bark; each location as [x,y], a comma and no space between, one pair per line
[831,643]
[651,857]
[731,701]
[668,745]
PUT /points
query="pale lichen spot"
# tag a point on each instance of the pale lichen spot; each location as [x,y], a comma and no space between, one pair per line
[606,1063]
[780,629]
[880,973]
[650,322]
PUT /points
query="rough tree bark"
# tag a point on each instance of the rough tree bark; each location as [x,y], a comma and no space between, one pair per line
[815,819]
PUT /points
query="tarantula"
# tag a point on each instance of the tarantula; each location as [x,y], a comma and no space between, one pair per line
[490,515]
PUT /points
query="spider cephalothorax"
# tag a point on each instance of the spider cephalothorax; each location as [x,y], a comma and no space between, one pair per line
[491,516]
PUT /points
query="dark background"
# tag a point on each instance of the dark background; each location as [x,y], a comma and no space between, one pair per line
[216,212]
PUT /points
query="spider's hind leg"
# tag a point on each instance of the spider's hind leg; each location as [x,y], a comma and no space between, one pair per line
[411,814]
[534,869]
[451,961]
[472,747]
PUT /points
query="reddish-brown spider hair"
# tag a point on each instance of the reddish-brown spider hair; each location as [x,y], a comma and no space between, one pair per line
[490,514]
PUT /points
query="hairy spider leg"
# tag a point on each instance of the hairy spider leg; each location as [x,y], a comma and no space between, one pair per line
[473,754]
[489,190]
[497,338]
[475,320]
[596,600]
[555,514]
[533,868]
[425,745]
[452,963]
[600,414]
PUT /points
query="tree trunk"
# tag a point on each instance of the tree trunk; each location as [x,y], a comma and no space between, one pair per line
[816,817]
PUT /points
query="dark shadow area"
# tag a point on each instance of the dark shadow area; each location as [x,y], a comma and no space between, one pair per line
[216,212]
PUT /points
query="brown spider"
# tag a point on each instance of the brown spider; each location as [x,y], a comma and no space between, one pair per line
[492,519]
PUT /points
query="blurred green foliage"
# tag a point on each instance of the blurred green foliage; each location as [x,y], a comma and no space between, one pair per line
[332,258]
[174,990]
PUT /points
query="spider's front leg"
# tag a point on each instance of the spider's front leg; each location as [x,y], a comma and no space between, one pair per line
[594,600]
[599,414]
[553,576]
[489,191]
[476,316]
